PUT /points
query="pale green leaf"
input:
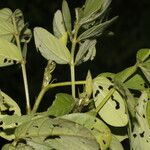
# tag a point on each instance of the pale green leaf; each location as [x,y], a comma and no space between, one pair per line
[62,143]
[88,84]
[59,27]
[136,82]
[6,30]
[97,127]
[66,16]
[131,101]
[45,126]
[63,104]
[58,24]
[140,139]
[10,122]
[9,53]
[108,75]
[113,112]
[5,14]
[6,26]
[93,10]
[92,6]
[7,107]
[148,113]
[125,74]
[148,108]
[20,146]
[50,47]
[96,30]
[22,27]
[46,133]
[115,144]
[86,51]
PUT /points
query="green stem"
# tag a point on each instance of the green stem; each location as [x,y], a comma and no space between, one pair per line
[72,65]
[45,89]
[28,109]
[98,108]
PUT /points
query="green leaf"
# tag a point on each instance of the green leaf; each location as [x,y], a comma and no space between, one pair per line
[20,146]
[5,14]
[125,74]
[9,53]
[146,72]
[7,107]
[58,24]
[142,55]
[113,111]
[94,10]
[6,26]
[63,104]
[131,101]
[148,113]
[136,82]
[88,85]
[140,139]
[47,133]
[63,143]
[66,16]
[91,6]
[59,27]
[96,30]
[108,75]
[115,144]
[22,27]
[50,47]
[95,125]
[6,30]
[86,51]
[10,122]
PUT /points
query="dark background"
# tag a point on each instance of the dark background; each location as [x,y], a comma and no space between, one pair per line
[115,53]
